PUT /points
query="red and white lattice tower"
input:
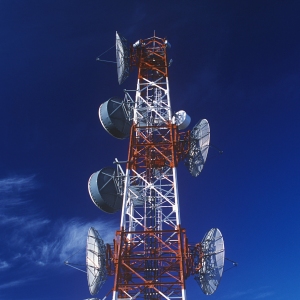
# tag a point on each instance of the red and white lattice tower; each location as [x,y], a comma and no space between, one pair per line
[150,257]
[150,247]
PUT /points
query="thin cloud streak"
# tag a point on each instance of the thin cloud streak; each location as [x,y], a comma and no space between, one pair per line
[264,295]
[24,223]
[17,184]
[14,283]
[259,293]
[238,294]
[3,265]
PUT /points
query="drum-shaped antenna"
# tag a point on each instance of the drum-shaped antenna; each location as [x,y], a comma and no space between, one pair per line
[114,118]
[104,190]
[213,254]
[200,137]
[181,119]
[95,261]
[123,60]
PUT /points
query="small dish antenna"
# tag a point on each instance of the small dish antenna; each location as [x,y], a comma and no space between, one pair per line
[213,254]
[95,261]
[105,190]
[200,137]
[114,117]
[123,58]
[181,119]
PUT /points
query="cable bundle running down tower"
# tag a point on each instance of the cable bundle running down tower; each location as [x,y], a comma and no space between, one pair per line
[150,257]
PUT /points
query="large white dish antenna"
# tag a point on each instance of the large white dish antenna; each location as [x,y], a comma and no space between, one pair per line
[200,137]
[95,261]
[213,255]
[122,56]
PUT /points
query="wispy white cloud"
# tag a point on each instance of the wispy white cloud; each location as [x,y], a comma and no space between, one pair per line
[67,239]
[18,220]
[258,293]
[6,220]
[239,294]
[24,223]
[3,265]
[264,295]
[14,194]
[17,184]
[14,283]
[35,241]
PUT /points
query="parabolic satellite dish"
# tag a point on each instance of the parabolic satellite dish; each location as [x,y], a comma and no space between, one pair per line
[213,254]
[104,190]
[114,118]
[122,56]
[200,137]
[95,261]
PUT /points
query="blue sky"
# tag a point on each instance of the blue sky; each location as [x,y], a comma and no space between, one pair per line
[236,63]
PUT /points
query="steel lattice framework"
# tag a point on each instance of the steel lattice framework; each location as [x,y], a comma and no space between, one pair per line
[150,248]
[150,257]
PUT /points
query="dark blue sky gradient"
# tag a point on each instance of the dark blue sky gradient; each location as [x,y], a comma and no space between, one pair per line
[236,63]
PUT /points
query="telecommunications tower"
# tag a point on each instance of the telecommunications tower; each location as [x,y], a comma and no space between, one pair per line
[150,257]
